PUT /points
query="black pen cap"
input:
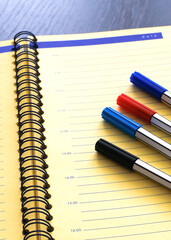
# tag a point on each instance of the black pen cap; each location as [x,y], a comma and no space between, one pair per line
[112,151]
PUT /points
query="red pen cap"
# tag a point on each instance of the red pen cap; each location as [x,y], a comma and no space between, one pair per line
[135,107]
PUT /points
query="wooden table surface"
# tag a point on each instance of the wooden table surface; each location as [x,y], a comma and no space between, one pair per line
[44,17]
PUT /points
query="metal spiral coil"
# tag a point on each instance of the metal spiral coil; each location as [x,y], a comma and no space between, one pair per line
[35,207]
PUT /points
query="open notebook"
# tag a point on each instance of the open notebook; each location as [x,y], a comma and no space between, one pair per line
[88,196]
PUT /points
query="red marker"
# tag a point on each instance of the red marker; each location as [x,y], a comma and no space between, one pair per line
[144,112]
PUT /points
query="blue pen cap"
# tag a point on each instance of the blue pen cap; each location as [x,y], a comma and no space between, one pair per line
[120,121]
[147,85]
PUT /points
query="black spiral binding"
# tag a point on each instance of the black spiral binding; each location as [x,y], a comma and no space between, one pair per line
[34,186]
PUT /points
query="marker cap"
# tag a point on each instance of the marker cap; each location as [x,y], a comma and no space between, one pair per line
[112,151]
[135,107]
[147,85]
[120,121]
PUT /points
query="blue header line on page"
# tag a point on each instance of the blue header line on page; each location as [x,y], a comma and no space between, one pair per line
[93,41]
[98,41]
[6,49]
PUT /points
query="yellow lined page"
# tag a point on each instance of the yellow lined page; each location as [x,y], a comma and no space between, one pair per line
[10,204]
[94,198]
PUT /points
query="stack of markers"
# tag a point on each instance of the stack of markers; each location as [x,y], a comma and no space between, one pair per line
[135,130]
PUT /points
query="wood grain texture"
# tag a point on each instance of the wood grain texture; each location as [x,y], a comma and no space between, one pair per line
[44,17]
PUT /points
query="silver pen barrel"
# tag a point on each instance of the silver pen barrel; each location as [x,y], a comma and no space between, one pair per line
[152,173]
[153,141]
[161,122]
[166,98]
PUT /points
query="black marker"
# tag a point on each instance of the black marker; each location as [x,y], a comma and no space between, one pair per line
[132,162]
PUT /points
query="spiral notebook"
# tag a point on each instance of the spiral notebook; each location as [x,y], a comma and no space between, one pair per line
[53,185]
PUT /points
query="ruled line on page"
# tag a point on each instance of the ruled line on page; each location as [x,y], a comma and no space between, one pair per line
[125,216]
[127,207]
[93,64]
[91,152]
[96,136]
[93,108]
[121,52]
[123,199]
[125,51]
[121,142]
[100,129]
[98,159]
[91,168]
[113,182]
[113,167]
[113,56]
[111,174]
[116,68]
[129,235]
[120,190]
[108,51]
[109,95]
[129,225]
[107,75]
[107,174]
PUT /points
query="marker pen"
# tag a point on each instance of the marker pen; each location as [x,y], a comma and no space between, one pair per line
[144,112]
[154,89]
[135,130]
[132,162]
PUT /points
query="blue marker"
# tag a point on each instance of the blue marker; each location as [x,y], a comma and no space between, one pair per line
[135,130]
[154,89]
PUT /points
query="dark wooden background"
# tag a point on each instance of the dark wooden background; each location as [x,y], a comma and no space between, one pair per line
[78,16]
